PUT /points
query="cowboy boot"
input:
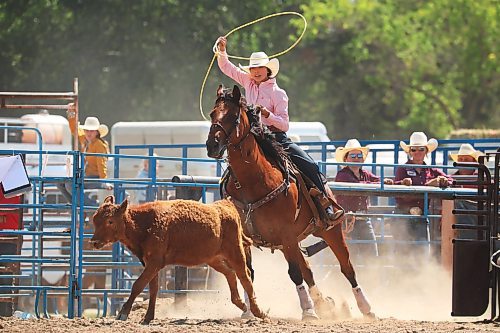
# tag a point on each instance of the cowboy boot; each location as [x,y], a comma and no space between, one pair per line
[334,215]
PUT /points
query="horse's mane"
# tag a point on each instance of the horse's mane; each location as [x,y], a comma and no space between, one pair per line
[266,139]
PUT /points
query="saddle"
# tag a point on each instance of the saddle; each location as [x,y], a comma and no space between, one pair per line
[316,200]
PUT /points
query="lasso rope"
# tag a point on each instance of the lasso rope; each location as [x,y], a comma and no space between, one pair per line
[217,52]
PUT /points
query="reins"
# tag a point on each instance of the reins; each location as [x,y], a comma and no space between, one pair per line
[217,52]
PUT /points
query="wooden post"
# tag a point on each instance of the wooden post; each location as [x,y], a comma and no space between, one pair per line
[447,234]
[180,281]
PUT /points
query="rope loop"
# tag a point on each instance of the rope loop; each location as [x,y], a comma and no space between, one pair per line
[217,52]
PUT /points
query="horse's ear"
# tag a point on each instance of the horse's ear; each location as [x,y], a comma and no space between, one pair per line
[236,94]
[109,199]
[123,207]
[220,91]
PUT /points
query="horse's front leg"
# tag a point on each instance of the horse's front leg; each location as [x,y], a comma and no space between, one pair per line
[293,257]
[150,271]
[324,306]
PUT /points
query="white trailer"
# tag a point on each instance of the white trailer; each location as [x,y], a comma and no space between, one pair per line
[186,132]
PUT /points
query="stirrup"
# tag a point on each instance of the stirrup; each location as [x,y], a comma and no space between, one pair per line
[336,215]
[334,218]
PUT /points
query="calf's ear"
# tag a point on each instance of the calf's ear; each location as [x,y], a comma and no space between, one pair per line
[109,199]
[123,207]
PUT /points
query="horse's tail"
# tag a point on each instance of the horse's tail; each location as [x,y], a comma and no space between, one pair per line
[247,241]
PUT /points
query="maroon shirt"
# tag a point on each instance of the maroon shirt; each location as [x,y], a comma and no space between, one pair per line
[417,178]
[354,203]
[468,177]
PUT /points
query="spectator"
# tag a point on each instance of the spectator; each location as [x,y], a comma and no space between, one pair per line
[416,228]
[468,154]
[359,227]
[141,195]
[90,136]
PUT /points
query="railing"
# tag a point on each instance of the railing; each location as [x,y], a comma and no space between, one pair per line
[118,259]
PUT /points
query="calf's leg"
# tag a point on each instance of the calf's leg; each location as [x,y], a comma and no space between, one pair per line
[222,267]
[153,293]
[150,271]
[238,261]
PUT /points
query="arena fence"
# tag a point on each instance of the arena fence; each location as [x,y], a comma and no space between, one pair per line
[55,233]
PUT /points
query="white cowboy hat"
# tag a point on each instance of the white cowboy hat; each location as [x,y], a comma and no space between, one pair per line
[351,144]
[419,139]
[260,59]
[93,124]
[467,150]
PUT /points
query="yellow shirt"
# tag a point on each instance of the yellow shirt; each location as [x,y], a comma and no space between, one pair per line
[95,166]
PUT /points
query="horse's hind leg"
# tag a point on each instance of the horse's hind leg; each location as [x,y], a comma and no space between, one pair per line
[335,239]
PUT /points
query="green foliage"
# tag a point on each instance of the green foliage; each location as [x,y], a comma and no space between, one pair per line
[431,65]
[367,69]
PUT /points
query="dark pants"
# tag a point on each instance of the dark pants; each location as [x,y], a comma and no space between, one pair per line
[363,231]
[65,189]
[7,308]
[467,219]
[302,160]
[410,229]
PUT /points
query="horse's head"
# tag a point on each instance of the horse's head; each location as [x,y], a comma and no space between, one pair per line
[225,117]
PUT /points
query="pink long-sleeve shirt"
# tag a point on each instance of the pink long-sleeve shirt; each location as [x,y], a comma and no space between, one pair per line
[267,93]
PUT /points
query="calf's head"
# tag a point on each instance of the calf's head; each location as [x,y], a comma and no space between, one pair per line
[109,223]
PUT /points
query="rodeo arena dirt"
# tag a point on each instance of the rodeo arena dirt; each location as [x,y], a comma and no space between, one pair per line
[420,304]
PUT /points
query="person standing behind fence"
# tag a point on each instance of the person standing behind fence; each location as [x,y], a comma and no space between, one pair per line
[358,227]
[90,136]
[415,228]
[467,154]
[143,174]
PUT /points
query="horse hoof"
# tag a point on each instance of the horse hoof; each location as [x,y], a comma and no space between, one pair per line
[121,316]
[309,315]
[345,310]
[247,315]
[326,308]
[145,321]
[370,316]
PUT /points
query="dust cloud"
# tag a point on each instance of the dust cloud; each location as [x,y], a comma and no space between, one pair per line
[406,288]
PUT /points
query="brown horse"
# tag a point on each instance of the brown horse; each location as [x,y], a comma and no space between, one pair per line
[274,215]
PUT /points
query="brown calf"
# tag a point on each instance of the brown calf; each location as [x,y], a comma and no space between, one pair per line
[177,232]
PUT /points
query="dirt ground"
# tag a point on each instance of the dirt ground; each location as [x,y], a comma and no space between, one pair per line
[275,325]
[414,299]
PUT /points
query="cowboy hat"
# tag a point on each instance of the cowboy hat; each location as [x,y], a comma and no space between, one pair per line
[93,124]
[419,139]
[260,59]
[467,150]
[351,144]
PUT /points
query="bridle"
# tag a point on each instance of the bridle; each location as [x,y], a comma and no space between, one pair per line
[235,126]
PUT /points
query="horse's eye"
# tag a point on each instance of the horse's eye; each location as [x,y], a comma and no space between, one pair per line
[110,222]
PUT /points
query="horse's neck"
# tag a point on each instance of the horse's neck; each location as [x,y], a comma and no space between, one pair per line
[250,165]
